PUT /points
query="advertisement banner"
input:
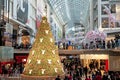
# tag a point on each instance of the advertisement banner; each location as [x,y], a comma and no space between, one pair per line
[118,11]
[20,10]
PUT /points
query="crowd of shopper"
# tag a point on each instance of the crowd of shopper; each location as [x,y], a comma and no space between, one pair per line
[11,70]
[96,44]
[101,44]
[74,70]
[22,46]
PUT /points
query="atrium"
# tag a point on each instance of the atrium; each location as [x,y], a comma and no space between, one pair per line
[59,39]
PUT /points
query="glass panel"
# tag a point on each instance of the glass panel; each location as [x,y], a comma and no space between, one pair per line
[104,11]
[117,24]
[113,8]
[105,22]
[112,24]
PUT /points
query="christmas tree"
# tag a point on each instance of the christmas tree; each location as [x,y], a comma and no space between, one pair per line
[43,60]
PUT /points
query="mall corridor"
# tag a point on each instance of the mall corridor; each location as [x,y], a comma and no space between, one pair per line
[59,39]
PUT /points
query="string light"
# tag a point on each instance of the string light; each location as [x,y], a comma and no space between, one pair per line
[41,39]
[43,51]
[39,48]
[53,51]
[46,31]
[51,40]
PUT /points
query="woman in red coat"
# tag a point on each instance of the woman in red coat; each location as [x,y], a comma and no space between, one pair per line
[98,77]
[86,78]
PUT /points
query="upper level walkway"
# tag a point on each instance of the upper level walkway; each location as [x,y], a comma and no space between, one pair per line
[77,52]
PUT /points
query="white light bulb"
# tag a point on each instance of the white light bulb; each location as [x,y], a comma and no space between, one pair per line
[30,71]
[53,51]
[46,31]
[58,61]
[43,51]
[49,61]
[38,61]
[33,52]
[41,39]
[51,40]
[56,69]
[29,61]
[43,71]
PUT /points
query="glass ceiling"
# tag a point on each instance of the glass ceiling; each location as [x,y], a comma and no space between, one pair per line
[71,11]
[72,14]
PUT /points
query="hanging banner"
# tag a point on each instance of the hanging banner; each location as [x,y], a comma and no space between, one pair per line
[118,11]
[20,10]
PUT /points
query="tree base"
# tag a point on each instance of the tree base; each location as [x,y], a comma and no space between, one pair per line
[25,77]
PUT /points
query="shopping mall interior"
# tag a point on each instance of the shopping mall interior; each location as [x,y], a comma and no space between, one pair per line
[60,39]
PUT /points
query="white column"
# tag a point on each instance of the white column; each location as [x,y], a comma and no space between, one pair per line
[32,39]
[91,14]
[48,13]
[99,14]
[19,40]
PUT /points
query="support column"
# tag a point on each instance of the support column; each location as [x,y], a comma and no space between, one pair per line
[32,39]
[19,38]
[48,13]
[99,14]
[91,14]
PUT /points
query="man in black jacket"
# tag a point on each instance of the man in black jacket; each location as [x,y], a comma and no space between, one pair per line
[57,78]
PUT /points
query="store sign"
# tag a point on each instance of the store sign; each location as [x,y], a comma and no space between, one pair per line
[118,12]
[6,53]
[94,56]
[20,10]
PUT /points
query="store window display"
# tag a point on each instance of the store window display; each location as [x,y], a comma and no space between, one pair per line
[26,41]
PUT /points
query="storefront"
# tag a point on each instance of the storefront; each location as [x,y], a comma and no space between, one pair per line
[26,41]
[6,56]
[20,58]
[114,60]
[96,61]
